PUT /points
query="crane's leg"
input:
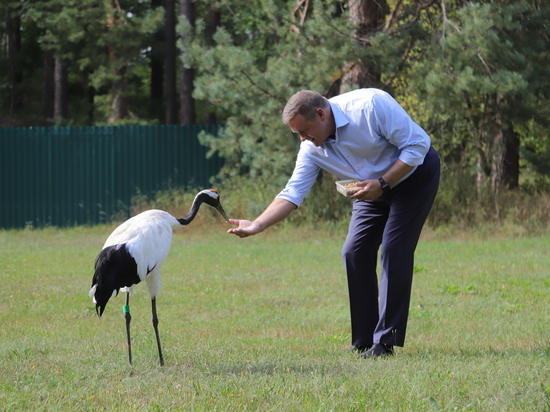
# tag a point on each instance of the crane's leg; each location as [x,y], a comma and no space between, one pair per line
[128,317]
[155,325]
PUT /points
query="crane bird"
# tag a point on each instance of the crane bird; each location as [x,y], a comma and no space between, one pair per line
[135,251]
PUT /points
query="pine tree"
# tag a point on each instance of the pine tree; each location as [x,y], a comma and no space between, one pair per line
[103,43]
[485,80]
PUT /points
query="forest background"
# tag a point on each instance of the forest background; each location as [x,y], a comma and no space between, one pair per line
[474,74]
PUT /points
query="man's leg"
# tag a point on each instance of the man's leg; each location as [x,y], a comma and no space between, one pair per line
[410,204]
[360,255]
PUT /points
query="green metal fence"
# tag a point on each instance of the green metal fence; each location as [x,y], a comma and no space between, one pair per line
[64,176]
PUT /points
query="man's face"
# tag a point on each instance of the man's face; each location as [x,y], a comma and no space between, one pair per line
[313,130]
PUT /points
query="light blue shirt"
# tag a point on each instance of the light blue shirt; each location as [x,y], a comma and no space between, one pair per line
[372,132]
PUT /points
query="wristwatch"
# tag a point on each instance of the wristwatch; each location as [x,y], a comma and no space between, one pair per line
[385,187]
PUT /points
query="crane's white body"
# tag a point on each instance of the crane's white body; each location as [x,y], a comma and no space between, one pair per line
[148,238]
[135,251]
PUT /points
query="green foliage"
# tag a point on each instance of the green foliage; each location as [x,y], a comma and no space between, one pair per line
[102,45]
[459,205]
[457,67]
[473,72]
[489,67]
[250,73]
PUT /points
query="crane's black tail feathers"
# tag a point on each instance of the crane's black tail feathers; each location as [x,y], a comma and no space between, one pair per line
[115,268]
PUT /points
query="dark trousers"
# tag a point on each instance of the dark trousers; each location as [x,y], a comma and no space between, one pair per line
[379,312]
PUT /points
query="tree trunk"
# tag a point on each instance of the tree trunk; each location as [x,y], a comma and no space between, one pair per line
[187,103]
[156,92]
[215,19]
[368,16]
[13,29]
[48,90]
[505,161]
[214,23]
[61,84]
[120,108]
[91,104]
[171,55]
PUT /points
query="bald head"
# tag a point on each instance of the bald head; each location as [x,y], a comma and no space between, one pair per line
[305,103]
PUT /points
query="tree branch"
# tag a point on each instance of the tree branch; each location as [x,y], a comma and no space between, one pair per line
[253,83]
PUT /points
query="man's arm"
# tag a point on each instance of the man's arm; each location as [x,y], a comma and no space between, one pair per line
[278,210]
[371,189]
[396,172]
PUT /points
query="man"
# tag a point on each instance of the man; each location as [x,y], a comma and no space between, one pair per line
[365,135]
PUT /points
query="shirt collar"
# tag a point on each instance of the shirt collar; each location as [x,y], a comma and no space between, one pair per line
[340,118]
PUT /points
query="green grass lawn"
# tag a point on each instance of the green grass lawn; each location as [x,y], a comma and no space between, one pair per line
[262,324]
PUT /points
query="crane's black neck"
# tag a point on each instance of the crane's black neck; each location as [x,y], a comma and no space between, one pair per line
[184,221]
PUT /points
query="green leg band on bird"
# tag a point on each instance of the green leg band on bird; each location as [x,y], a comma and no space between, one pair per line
[125,309]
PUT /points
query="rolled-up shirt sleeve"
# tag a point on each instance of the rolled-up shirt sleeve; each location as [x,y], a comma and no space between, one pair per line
[301,181]
[400,130]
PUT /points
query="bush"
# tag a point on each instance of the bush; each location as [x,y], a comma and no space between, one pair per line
[458,206]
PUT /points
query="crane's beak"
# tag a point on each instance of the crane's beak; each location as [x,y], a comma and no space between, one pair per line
[219,208]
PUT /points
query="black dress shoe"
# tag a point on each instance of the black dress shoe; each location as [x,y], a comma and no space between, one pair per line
[360,348]
[378,350]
